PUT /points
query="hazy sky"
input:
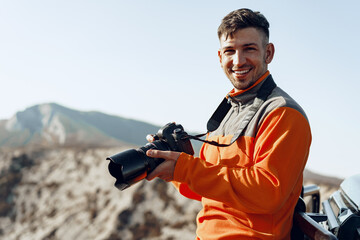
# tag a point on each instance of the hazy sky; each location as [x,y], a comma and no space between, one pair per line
[156,61]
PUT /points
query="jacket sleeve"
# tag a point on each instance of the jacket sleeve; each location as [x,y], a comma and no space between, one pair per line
[184,189]
[281,148]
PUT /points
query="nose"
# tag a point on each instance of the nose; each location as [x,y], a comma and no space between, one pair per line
[238,59]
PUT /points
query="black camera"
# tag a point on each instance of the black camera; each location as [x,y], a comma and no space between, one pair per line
[131,166]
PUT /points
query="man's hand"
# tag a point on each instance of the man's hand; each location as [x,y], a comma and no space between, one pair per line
[166,169]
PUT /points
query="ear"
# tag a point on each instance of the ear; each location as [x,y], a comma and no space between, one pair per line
[220,57]
[269,53]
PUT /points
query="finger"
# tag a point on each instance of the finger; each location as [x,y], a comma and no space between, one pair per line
[167,155]
[166,178]
[150,138]
[164,171]
[157,171]
[151,176]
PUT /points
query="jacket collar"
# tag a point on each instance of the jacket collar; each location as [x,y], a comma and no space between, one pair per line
[247,95]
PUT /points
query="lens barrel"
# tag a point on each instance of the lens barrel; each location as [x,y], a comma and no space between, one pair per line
[131,166]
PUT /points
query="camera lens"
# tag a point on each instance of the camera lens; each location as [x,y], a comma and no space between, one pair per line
[127,167]
[131,166]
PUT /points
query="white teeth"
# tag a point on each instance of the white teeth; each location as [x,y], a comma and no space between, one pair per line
[242,71]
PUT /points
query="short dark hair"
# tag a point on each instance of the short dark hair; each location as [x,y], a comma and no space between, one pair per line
[243,18]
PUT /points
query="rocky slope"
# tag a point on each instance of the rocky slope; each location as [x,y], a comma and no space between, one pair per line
[69,194]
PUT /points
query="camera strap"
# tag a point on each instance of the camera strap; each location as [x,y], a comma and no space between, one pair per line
[214,122]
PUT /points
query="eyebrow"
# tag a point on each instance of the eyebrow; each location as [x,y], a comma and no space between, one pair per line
[250,44]
[245,45]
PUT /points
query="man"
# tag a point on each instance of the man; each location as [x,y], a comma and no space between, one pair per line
[250,188]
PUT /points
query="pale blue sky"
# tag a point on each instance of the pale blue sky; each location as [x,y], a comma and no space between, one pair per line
[157,61]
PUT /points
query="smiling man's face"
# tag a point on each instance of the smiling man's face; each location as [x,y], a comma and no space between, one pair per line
[244,56]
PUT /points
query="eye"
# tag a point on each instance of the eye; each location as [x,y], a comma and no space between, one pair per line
[229,51]
[250,49]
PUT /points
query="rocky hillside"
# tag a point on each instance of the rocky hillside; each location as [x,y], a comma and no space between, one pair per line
[69,194]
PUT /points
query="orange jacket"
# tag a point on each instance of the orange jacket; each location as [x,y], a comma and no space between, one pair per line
[249,190]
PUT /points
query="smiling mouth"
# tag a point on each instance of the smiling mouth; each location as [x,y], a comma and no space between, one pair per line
[241,72]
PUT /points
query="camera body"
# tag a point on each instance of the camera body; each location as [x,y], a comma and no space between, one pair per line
[133,165]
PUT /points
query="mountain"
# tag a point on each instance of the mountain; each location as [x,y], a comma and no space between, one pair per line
[54,125]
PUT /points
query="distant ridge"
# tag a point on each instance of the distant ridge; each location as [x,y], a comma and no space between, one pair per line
[318,178]
[51,124]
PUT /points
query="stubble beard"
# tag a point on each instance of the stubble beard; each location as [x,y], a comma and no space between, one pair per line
[242,84]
